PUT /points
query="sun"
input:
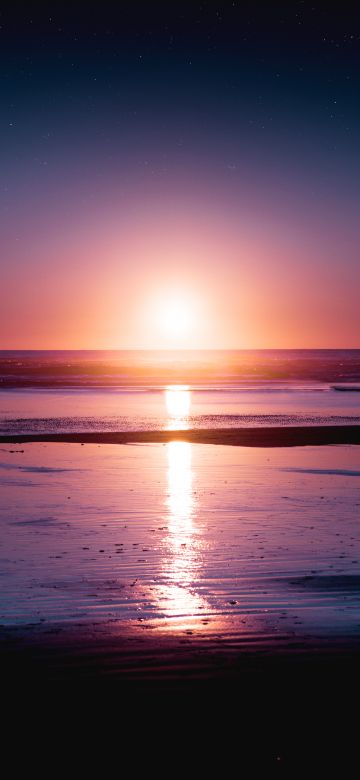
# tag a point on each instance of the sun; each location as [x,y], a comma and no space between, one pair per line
[172,319]
[176,317]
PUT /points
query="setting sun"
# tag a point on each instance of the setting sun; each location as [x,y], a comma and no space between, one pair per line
[176,317]
[173,320]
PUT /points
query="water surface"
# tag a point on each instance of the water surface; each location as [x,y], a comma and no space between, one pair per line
[182,537]
[47,392]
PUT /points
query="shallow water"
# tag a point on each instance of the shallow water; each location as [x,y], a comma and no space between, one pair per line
[175,407]
[46,392]
[182,537]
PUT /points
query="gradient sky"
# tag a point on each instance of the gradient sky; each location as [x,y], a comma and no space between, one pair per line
[202,152]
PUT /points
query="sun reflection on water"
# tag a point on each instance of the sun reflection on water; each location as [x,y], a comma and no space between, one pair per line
[179,599]
[177,400]
[180,496]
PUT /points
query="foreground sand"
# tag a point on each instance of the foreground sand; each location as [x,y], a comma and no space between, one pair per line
[162,703]
[100,652]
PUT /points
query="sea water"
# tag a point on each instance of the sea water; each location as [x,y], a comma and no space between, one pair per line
[44,392]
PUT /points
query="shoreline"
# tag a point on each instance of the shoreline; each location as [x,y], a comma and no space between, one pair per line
[290,436]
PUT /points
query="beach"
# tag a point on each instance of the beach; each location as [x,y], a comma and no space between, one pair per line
[156,532]
[196,578]
[194,541]
[211,558]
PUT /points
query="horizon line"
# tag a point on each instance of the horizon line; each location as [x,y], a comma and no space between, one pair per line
[179,349]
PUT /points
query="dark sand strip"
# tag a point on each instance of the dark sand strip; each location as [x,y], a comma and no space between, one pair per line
[222,703]
[294,436]
[131,654]
[263,668]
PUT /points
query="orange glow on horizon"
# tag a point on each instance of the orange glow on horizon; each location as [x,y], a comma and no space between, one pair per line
[184,282]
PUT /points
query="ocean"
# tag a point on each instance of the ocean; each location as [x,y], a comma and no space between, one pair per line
[86,391]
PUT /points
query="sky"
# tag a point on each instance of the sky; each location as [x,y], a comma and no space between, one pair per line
[179,175]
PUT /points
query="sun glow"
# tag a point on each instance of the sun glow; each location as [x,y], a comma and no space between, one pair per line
[175,316]
[174,319]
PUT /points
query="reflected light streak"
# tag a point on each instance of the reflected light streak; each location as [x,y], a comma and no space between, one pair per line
[180,500]
[179,600]
[177,400]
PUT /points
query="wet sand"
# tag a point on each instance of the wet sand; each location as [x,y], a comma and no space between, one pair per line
[287,436]
[249,666]
[206,557]
[225,579]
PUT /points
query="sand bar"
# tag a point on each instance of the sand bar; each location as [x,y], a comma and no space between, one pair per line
[290,436]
